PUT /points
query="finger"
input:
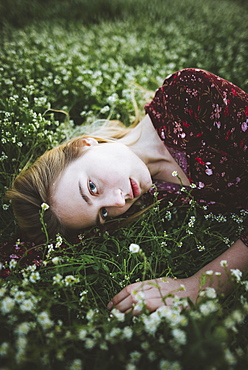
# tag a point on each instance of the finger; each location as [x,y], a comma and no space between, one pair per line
[125,292]
[128,290]
[126,304]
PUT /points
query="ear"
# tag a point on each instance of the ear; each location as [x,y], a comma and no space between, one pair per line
[89,141]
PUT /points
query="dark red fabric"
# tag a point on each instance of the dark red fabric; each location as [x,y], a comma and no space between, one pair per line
[204,119]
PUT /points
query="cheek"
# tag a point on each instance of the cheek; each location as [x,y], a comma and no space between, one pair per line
[117,211]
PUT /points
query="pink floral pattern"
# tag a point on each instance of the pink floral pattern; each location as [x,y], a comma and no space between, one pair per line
[204,120]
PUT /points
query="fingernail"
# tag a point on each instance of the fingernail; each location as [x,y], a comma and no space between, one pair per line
[110,305]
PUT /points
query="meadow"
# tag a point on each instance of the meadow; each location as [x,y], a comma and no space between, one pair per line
[63,66]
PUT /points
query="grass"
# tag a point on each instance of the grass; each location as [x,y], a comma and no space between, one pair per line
[96,60]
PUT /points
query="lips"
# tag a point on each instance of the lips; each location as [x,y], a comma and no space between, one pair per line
[135,188]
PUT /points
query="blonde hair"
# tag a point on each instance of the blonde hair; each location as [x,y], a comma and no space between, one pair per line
[32,186]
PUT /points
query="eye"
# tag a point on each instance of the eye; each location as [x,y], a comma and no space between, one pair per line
[92,188]
[104,213]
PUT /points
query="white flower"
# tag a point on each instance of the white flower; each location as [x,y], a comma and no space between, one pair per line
[223,263]
[83,295]
[31,268]
[82,334]
[208,307]
[27,305]
[57,260]
[230,358]
[162,311]
[230,324]
[21,343]
[35,276]
[151,322]
[237,274]
[130,366]
[179,335]
[44,206]
[209,272]
[210,292]
[70,279]
[3,290]
[112,99]
[23,328]
[7,304]
[127,332]
[89,343]
[115,332]
[44,320]
[90,314]
[138,294]
[76,365]
[134,248]
[57,278]
[105,109]
[166,365]
[118,315]
[139,306]
[135,356]
[19,296]
[245,283]
[174,174]
[152,356]
[12,264]
[238,316]
[4,348]
[59,240]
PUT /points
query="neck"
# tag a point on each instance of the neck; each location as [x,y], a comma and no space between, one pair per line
[144,141]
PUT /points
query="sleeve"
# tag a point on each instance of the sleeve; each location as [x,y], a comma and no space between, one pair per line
[201,102]
[194,103]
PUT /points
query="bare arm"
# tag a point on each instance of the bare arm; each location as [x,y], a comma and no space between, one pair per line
[236,257]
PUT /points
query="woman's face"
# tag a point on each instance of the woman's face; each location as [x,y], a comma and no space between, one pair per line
[103,182]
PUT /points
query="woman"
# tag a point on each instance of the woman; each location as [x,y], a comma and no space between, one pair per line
[195,128]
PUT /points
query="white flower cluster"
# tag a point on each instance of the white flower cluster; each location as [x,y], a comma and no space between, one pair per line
[139,296]
[23,301]
[30,274]
[237,219]
[168,215]
[191,221]
[44,320]
[237,274]
[208,292]
[68,280]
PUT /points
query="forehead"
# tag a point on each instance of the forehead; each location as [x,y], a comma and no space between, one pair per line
[67,202]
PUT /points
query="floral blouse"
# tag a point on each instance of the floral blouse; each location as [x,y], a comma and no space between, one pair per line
[203,121]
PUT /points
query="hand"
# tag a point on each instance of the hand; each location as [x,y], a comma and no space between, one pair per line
[154,291]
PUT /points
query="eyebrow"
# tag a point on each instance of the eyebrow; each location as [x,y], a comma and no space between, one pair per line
[83,195]
[88,201]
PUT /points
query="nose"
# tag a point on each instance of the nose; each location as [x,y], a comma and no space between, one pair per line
[115,198]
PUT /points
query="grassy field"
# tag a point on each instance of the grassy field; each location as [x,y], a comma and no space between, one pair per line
[96,60]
